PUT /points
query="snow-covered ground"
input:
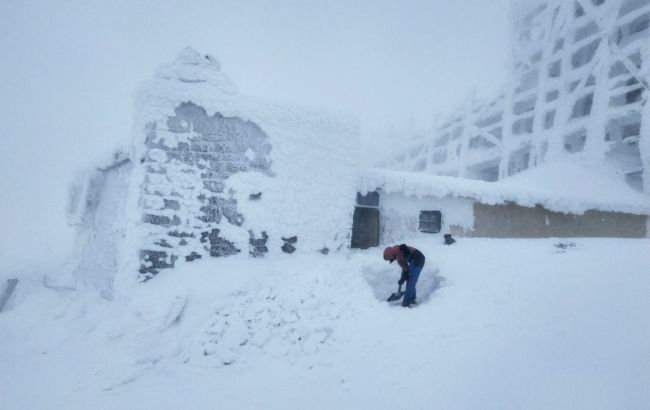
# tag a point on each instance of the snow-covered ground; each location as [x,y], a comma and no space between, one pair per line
[502,324]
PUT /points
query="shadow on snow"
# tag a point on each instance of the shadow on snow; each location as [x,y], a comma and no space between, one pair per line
[383,281]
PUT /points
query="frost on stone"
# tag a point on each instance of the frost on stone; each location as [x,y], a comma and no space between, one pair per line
[258,245]
[218,246]
[289,244]
[217,207]
[187,164]
[198,177]
[153,261]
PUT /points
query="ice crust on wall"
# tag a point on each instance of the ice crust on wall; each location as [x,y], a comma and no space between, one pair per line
[96,204]
[264,172]
[216,173]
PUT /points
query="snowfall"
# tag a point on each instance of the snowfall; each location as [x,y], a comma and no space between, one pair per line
[501,324]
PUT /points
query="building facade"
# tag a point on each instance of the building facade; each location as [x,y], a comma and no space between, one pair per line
[394,205]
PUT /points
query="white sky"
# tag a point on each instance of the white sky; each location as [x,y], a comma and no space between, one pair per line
[69,69]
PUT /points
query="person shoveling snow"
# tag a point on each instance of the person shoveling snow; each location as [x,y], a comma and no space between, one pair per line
[411,261]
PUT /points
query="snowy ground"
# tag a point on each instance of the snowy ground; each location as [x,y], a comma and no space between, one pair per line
[502,324]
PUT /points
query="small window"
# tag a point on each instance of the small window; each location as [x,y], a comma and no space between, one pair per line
[430,221]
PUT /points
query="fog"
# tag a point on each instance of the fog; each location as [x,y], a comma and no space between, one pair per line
[69,69]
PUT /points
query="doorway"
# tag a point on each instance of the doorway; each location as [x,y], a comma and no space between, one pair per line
[365,228]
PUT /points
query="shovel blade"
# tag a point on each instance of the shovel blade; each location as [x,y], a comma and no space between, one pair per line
[395,296]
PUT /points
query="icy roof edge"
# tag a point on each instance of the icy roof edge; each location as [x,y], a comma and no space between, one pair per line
[495,193]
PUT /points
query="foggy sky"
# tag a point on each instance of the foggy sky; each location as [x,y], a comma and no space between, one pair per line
[69,69]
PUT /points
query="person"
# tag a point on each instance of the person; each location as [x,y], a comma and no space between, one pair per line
[411,261]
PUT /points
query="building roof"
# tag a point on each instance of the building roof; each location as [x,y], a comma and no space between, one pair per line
[561,187]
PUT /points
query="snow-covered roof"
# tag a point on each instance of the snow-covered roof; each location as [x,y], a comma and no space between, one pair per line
[192,67]
[561,187]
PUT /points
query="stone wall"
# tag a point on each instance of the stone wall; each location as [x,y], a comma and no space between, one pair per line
[189,157]
[213,173]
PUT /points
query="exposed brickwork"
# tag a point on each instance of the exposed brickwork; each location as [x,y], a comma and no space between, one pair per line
[258,246]
[189,157]
[289,244]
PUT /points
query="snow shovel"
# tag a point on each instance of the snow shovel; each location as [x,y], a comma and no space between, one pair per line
[397,295]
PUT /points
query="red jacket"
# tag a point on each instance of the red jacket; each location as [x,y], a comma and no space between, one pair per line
[393,253]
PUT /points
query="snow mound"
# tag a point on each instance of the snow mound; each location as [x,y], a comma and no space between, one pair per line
[276,321]
[192,67]
[575,186]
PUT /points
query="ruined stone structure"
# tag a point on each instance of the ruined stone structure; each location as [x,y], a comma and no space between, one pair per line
[212,173]
[190,147]
[579,88]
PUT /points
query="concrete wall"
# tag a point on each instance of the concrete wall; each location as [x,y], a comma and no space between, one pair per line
[513,221]
[400,215]
[464,217]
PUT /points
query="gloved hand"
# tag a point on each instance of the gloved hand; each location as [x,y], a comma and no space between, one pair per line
[403,278]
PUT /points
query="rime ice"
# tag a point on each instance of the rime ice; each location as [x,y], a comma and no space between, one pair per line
[211,172]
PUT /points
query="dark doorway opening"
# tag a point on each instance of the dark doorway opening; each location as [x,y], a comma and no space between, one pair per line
[365,228]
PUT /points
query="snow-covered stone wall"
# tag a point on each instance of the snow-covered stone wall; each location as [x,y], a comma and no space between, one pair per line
[184,199]
[224,174]
[215,173]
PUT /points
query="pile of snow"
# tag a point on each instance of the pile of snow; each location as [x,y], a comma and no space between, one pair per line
[557,186]
[529,324]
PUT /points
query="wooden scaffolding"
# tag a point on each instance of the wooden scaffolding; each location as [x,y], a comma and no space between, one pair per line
[580,84]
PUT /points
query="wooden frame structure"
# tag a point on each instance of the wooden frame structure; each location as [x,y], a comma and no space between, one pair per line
[581,79]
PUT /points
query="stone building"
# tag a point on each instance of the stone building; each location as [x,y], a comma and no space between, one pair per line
[211,172]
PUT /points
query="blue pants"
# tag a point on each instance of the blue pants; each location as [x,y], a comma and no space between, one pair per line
[414,274]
